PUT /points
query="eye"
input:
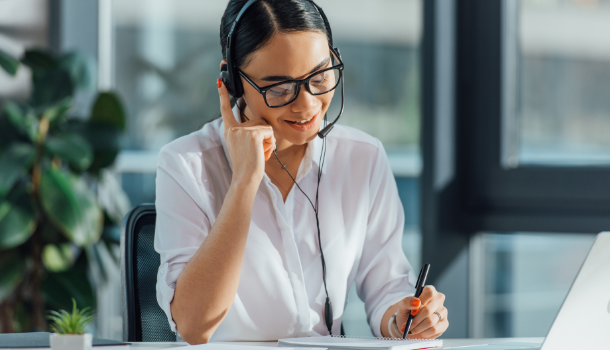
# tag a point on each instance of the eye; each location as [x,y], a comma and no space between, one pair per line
[281,90]
[319,78]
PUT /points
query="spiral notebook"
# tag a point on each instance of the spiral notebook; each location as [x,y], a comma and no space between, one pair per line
[363,343]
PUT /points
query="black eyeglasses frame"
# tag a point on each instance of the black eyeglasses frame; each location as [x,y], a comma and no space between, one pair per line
[263,90]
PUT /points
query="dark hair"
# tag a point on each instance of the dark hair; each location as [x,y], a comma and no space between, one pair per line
[265,18]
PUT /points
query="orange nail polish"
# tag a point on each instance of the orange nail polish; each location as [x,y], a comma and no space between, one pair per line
[415,302]
[414,312]
[219,83]
[402,330]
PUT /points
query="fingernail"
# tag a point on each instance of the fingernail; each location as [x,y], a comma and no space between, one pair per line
[219,83]
[415,302]
[414,312]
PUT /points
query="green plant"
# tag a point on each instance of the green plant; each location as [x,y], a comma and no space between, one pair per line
[70,323]
[53,225]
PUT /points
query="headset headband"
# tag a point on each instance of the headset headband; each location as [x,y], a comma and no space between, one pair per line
[229,74]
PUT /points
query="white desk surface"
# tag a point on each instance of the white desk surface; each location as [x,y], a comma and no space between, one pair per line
[447,343]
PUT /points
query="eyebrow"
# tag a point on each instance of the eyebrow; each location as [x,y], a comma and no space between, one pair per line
[285,77]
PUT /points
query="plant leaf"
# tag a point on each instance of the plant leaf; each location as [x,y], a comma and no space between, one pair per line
[14,162]
[14,114]
[17,219]
[13,269]
[108,110]
[8,133]
[22,118]
[104,139]
[51,87]
[71,147]
[39,61]
[57,258]
[60,287]
[8,63]
[71,207]
[58,110]
[79,68]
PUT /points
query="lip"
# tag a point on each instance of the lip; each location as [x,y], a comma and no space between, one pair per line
[307,126]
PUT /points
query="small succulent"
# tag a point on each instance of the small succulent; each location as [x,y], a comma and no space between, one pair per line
[75,323]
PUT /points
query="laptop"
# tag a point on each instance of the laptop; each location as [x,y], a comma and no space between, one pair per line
[583,322]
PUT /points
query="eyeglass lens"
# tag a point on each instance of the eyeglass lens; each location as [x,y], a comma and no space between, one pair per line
[318,84]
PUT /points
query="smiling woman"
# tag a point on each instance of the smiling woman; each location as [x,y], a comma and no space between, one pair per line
[244,255]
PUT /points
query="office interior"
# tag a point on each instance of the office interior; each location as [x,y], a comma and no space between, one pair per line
[494,115]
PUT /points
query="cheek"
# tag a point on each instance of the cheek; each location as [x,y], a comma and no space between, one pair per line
[326,99]
[259,109]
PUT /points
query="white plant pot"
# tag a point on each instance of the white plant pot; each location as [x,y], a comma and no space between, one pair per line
[70,341]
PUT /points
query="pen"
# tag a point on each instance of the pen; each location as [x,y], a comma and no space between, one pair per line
[419,287]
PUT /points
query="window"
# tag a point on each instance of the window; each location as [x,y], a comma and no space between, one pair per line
[519,154]
[523,279]
[562,73]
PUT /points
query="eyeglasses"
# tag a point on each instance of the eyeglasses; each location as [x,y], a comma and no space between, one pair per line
[285,92]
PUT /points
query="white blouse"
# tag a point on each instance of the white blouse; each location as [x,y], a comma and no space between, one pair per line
[280,291]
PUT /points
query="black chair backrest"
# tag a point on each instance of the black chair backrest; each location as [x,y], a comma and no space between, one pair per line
[143,319]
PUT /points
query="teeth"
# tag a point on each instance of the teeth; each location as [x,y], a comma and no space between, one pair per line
[303,121]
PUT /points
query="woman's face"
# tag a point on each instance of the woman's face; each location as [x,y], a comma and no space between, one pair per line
[289,56]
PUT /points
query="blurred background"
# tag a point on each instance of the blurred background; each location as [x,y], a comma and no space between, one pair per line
[161,57]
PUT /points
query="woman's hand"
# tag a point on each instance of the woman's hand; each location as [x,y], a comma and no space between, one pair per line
[426,323]
[250,144]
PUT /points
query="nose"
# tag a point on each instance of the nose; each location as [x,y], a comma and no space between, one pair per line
[304,102]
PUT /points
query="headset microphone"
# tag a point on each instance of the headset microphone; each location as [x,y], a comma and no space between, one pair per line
[232,81]
[322,133]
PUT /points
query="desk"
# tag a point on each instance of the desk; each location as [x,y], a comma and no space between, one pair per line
[447,343]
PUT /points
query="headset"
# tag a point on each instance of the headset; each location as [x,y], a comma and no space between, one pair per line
[232,80]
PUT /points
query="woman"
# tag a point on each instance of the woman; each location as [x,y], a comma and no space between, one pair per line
[243,252]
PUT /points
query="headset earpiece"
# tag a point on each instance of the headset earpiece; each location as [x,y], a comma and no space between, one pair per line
[226,79]
[231,81]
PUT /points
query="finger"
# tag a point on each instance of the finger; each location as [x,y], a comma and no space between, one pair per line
[436,303]
[268,154]
[269,142]
[435,330]
[430,321]
[405,307]
[407,304]
[427,294]
[427,319]
[255,122]
[225,106]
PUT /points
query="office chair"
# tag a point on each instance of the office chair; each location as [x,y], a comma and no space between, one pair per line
[143,319]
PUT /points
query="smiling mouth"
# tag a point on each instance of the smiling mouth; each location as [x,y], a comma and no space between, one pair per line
[303,125]
[301,122]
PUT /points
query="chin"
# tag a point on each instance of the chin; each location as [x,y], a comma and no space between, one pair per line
[299,135]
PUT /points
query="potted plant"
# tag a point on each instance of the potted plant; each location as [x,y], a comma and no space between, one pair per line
[59,207]
[69,329]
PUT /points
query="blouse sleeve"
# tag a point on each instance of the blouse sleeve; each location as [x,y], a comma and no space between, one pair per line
[182,223]
[384,275]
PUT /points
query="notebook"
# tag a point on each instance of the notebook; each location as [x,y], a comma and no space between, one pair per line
[40,340]
[364,343]
[217,346]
